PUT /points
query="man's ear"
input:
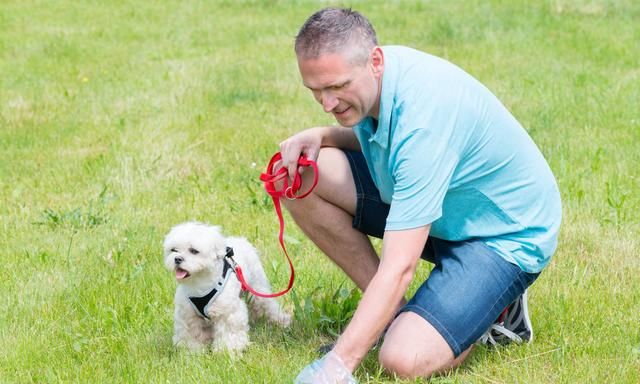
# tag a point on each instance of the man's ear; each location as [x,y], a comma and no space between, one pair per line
[377,61]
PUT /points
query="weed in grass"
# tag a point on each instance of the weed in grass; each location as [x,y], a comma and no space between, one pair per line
[326,309]
[616,198]
[75,218]
[92,215]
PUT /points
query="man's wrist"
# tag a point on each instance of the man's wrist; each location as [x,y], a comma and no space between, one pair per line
[350,362]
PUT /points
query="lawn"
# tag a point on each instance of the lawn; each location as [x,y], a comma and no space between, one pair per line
[119,119]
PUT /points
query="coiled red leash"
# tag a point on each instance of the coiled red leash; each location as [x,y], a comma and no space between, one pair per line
[269,178]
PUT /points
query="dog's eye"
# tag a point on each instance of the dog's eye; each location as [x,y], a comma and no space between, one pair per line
[194,251]
[174,249]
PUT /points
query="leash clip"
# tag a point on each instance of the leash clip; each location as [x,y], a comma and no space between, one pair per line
[229,257]
[289,194]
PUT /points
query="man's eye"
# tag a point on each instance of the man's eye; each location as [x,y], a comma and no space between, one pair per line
[194,251]
[340,86]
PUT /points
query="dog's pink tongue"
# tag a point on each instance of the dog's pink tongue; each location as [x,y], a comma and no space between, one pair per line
[180,274]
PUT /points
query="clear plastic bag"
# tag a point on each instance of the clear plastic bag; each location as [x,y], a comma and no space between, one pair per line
[329,369]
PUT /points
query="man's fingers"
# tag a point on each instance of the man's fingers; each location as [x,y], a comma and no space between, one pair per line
[292,170]
[312,154]
[290,160]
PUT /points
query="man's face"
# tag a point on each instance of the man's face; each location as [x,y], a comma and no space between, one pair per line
[349,91]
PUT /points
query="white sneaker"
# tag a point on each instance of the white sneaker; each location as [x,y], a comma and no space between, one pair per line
[513,325]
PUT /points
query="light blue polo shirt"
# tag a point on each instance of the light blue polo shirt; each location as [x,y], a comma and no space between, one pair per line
[446,152]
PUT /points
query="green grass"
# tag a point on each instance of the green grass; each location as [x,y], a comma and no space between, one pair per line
[120,119]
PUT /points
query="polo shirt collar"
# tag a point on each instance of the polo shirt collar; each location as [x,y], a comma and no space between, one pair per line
[387,98]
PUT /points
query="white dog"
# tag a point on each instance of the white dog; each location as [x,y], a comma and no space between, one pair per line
[208,308]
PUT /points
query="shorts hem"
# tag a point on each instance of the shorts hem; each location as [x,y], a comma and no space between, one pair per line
[442,330]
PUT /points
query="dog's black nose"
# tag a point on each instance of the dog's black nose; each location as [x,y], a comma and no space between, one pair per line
[178,260]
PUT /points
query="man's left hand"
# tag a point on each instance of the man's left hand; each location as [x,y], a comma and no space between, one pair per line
[330,369]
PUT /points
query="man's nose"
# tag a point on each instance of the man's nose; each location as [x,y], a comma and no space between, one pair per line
[329,101]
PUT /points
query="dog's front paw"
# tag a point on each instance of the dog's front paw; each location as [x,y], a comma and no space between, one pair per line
[189,345]
[283,319]
[232,343]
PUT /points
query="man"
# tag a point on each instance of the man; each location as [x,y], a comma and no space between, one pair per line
[429,160]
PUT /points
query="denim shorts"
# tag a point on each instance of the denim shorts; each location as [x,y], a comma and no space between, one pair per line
[469,285]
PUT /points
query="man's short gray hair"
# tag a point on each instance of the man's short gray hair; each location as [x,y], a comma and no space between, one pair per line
[336,30]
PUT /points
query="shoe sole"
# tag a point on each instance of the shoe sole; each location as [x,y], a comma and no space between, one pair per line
[527,320]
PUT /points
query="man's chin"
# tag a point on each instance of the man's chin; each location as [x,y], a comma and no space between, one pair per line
[348,121]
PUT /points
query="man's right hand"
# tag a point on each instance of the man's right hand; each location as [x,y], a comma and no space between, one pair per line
[307,143]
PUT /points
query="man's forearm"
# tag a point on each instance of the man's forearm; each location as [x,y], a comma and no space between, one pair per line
[401,251]
[376,309]
[339,137]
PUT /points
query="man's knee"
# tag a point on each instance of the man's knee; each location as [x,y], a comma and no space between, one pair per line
[413,348]
[404,363]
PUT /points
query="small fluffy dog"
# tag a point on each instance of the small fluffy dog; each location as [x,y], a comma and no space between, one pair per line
[208,308]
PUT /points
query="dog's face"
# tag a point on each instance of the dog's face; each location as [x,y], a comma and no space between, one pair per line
[192,248]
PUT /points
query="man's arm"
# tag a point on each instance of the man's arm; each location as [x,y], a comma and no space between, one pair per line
[401,251]
[339,137]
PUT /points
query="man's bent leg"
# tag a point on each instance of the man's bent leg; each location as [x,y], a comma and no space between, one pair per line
[466,290]
[414,348]
[326,216]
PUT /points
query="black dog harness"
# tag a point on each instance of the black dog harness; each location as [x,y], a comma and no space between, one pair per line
[201,304]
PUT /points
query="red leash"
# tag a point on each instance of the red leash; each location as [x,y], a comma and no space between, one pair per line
[269,178]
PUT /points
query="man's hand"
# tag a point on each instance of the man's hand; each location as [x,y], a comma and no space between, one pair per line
[330,369]
[307,143]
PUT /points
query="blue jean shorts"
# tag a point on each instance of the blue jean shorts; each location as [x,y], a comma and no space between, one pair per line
[469,285]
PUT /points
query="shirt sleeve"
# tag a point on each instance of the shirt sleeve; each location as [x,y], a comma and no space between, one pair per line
[422,163]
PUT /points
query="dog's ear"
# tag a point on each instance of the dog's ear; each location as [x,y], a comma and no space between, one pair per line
[219,243]
[221,252]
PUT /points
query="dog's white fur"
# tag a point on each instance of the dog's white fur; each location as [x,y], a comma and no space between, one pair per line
[200,250]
